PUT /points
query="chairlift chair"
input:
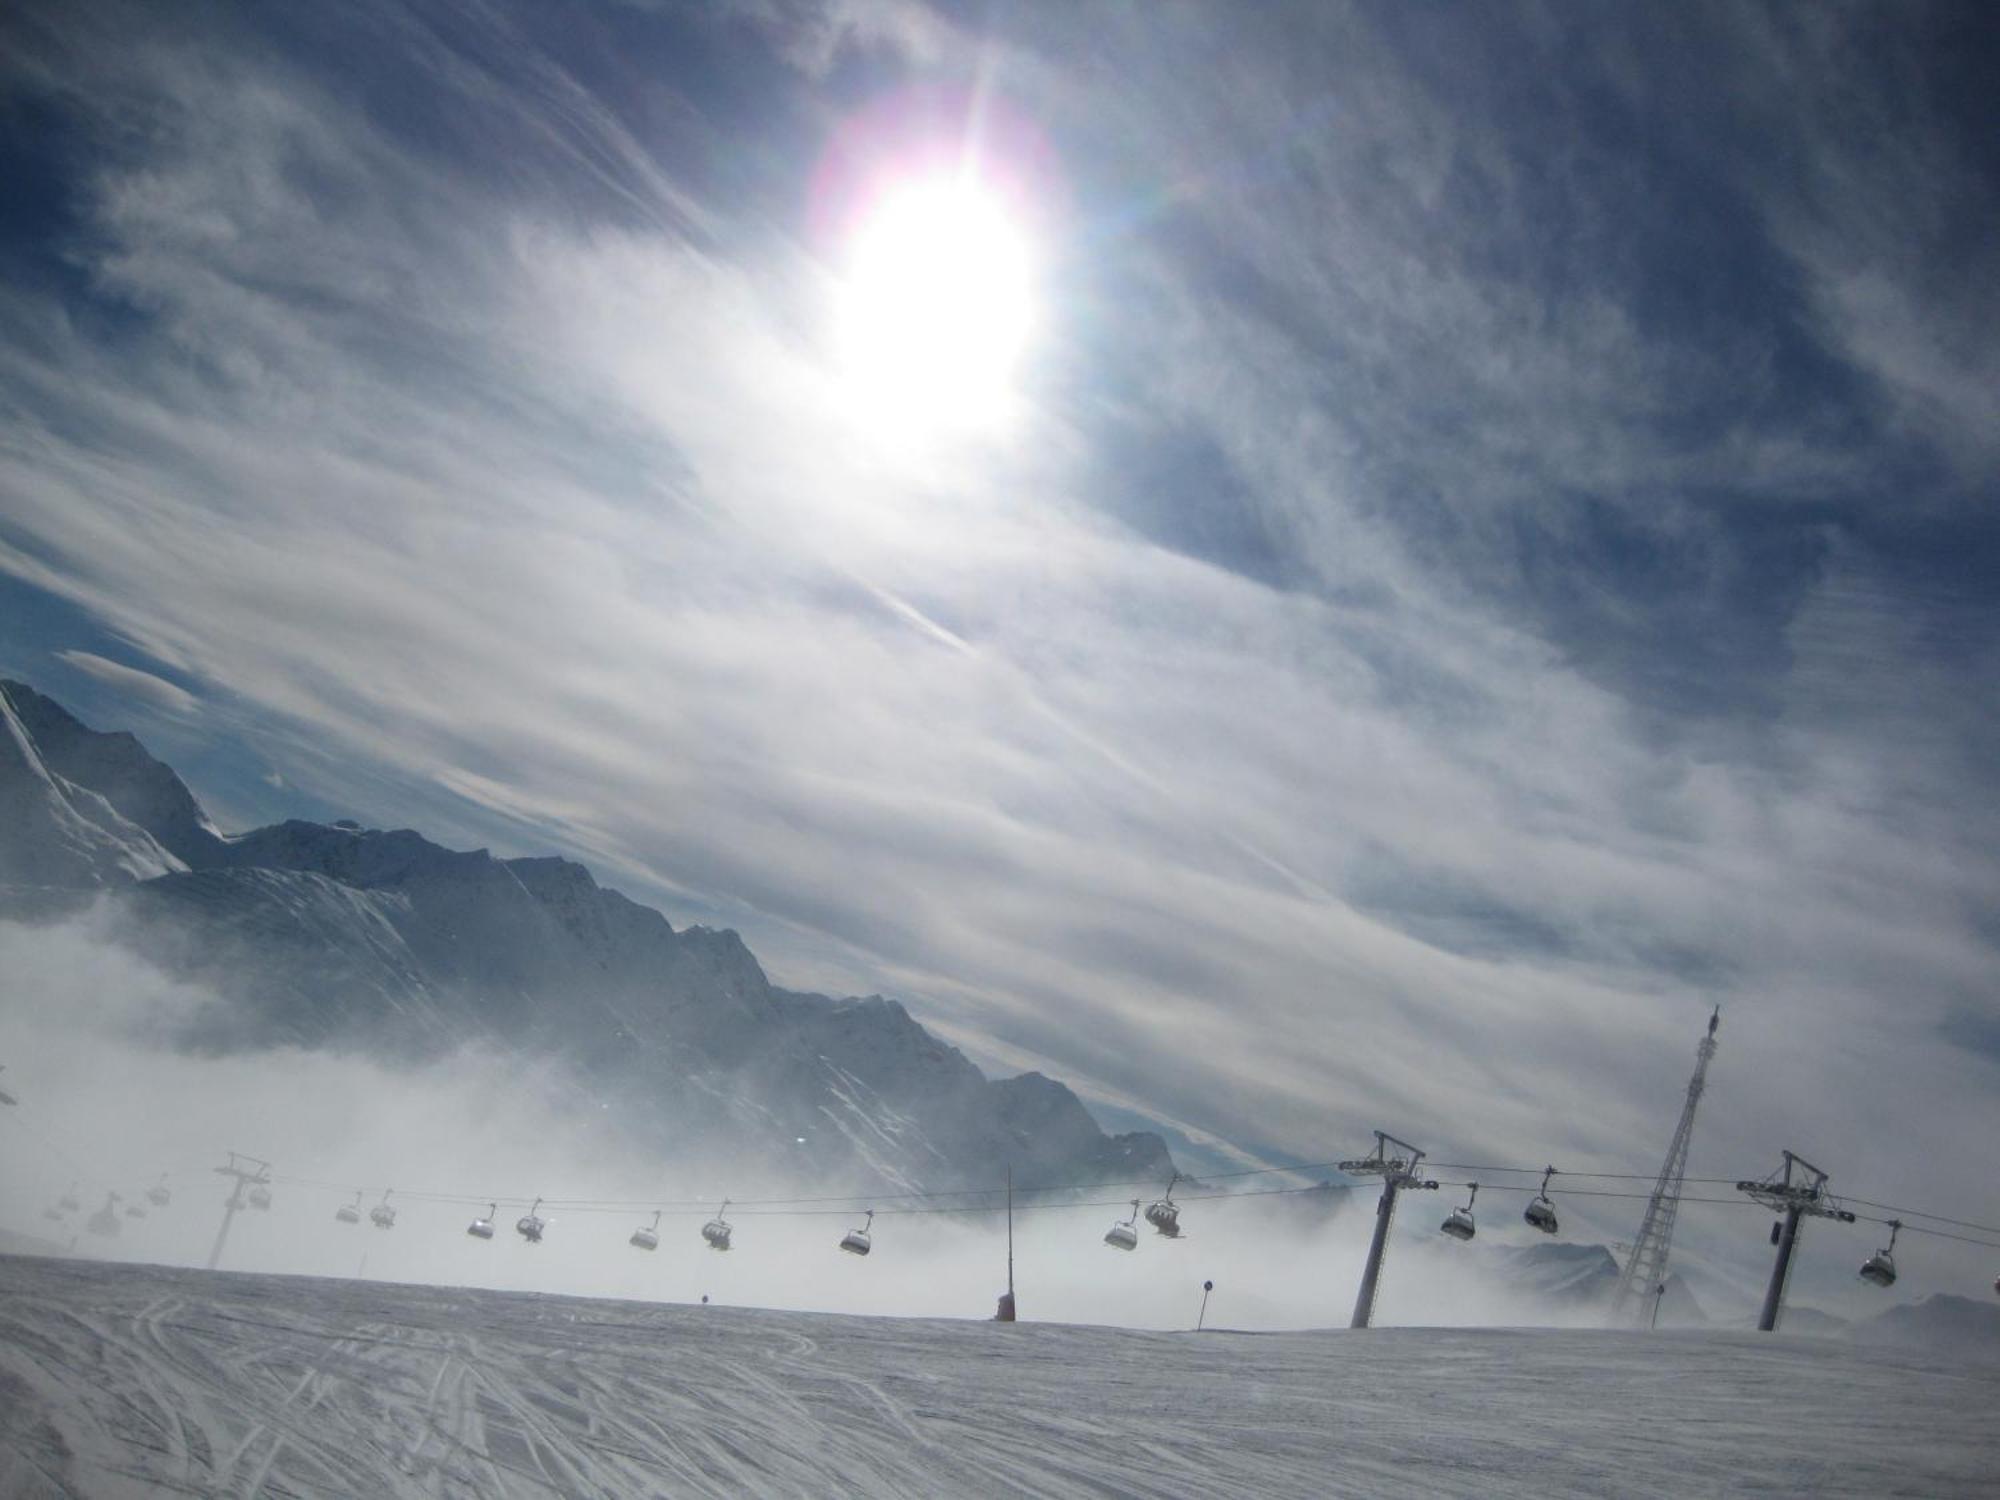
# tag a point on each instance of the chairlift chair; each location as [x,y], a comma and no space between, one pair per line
[1165,1216]
[135,1209]
[482,1227]
[1541,1214]
[349,1213]
[1880,1268]
[157,1194]
[647,1238]
[1124,1235]
[381,1215]
[857,1241]
[68,1202]
[105,1220]
[260,1197]
[531,1224]
[716,1230]
[1458,1223]
[53,1214]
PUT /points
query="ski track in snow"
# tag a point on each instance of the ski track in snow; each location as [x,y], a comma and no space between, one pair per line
[130,1381]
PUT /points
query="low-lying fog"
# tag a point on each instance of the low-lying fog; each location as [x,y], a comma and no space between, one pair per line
[107,1104]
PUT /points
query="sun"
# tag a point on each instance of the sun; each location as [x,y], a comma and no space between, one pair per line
[936,306]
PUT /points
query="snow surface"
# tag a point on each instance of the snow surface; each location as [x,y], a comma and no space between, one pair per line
[126,1380]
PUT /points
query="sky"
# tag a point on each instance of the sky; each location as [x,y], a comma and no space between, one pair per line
[1480,546]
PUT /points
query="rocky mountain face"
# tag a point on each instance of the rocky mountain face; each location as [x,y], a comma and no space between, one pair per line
[321,935]
[58,832]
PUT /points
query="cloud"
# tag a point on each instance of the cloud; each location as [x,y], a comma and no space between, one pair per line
[149,689]
[516,501]
[107,1108]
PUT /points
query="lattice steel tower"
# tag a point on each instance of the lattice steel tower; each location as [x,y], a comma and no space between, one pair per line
[1646,1267]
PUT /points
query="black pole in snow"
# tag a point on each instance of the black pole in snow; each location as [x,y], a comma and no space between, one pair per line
[1385,1212]
[1005,1313]
[222,1235]
[1774,1294]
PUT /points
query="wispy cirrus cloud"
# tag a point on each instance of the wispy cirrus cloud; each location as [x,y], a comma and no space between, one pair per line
[1443,621]
[149,687]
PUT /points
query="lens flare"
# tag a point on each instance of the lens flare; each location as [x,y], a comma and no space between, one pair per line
[936,306]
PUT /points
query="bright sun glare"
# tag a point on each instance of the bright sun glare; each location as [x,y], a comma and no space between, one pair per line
[937,306]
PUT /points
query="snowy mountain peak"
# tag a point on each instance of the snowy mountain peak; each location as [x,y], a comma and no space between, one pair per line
[335,935]
[116,767]
[53,830]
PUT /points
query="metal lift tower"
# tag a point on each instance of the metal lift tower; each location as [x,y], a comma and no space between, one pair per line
[1646,1267]
[1798,1191]
[1396,1163]
[254,1175]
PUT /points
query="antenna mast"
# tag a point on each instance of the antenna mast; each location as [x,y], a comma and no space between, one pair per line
[1645,1272]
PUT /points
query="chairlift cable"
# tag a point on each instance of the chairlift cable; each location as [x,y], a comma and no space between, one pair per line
[1920,1214]
[937,1199]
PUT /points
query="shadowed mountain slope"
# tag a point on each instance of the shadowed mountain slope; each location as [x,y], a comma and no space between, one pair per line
[339,936]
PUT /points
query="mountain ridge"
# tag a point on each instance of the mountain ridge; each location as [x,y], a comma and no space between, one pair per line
[337,936]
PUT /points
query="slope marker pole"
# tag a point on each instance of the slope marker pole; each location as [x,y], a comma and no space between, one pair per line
[1005,1313]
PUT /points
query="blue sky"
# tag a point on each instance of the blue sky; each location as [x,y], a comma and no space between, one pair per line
[1494,549]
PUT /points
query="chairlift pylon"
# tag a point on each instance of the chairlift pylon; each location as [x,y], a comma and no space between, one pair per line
[716,1230]
[858,1241]
[1541,1213]
[1124,1235]
[1880,1268]
[482,1228]
[531,1224]
[349,1213]
[1165,1216]
[647,1237]
[382,1216]
[1458,1223]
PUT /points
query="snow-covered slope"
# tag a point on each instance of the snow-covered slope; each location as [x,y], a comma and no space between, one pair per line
[305,959]
[125,1380]
[57,832]
[336,935]
[142,790]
